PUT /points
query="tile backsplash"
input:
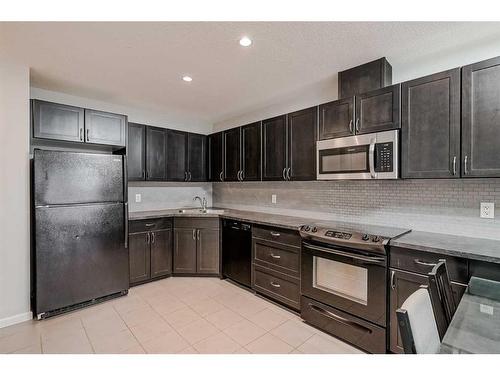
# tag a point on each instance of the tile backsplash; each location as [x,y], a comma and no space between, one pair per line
[443,206]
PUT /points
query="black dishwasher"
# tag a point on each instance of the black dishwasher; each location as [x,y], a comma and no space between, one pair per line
[237,251]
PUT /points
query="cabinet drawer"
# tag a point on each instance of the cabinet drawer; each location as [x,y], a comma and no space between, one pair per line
[136,226]
[276,256]
[422,262]
[196,222]
[278,286]
[285,236]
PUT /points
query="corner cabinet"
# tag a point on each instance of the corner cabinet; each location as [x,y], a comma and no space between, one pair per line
[430,135]
[196,157]
[481,119]
[216,157]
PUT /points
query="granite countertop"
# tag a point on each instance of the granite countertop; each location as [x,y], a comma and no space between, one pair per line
[460,246]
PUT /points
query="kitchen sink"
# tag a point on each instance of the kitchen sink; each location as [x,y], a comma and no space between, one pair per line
[207,211]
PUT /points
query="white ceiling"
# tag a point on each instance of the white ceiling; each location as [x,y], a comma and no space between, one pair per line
[141,64]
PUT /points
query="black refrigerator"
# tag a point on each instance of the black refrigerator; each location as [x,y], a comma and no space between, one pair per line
[80,229]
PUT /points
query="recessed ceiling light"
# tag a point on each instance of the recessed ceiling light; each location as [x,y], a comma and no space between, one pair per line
[245,41]
[187,79]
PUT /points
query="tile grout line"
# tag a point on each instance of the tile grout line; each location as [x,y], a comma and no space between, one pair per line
[87,335]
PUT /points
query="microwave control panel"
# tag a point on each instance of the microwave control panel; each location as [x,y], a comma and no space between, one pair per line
[384,157]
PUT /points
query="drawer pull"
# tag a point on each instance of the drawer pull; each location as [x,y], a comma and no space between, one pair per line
[275,256]
[276,285]
[421,263]
[149,225]
[339,319]
[275,234]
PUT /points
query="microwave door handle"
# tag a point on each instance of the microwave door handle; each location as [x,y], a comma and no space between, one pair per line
[371,158]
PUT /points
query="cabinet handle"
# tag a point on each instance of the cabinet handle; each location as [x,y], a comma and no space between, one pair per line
[148,238]
[275,256]
[350,127]
[339,319]
[288,173]
[194,234]
[276,285]
[242,175]
[185,176]
[81,134]
[393,285]
[357,125]
[143,174]
[454,165]
[284,171]
[153,237]
[198,234]
[421,263]
[190,176]
[275,234]
[220,175]
[465,165]
[88,137]
[149,225]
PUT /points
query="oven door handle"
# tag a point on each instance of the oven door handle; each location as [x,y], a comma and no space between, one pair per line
[339,319]
[371,158]
[363,258]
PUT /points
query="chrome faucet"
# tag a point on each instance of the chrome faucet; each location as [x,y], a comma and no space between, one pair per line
[203,202]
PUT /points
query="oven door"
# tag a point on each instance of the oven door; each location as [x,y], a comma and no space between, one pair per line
[347,280]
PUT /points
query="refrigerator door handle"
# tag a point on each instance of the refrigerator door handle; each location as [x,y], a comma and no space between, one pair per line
[126,225]
[125,179]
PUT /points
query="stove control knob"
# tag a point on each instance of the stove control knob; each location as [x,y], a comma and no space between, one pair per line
[365,237]
[376,239]
[307,228]
[314,229]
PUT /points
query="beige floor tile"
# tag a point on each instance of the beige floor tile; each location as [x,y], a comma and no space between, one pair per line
[247,306]
[33,349]
[217,344]
[293,332]
[137,349]
[244,332]
[17,341]
[129,303]
[114,343]
[181,318]
[320,344]
[74,343]
[140,316]
[188,350]
[167,306]
[197,331]
[268,319]
[269,344]
[60,328]
[241,351]
[207,307]
[224,318]
[166,344]
[150,330]
[105,326]
[296,351]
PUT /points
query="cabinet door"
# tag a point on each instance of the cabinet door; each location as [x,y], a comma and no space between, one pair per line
[136,152]
[176,155]
[302,126]
[197,157]
[251,150]
[57,121]
[430,126]
[184,250]
[139,257]
[105,128]
[480,119]
[232,154]
[156,152]
[161,253]
[378,110]
[336,119]
[215,157]
[208,251]
[274,148]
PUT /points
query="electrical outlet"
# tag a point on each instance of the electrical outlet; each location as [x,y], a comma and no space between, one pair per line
[273,198]
[487,210]
[138,198]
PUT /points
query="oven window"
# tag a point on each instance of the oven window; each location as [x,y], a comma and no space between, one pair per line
[341,279]
[344,160]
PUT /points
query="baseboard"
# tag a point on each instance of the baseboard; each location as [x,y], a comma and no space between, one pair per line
[19,318]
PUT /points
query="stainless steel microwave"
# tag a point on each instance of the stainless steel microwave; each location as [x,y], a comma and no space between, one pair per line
[360,157]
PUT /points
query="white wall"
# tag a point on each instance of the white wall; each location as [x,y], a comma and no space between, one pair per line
[14,194]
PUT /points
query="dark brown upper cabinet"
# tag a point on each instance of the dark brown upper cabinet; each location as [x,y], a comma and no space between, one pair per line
[176,155]
[196,157]
[336,119]
[251,152]
[105,128]
[156,153]
[378,110]
[481,119]
[232,154]
[363,78]
[274,148]
[216,157]
[430,126]
[301,137]
[136,152]
[58,121]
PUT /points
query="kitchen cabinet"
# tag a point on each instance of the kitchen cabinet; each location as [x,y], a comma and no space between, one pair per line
[336,119]
[378,110]
[274,148]
[136,152]
[216,157]
[232,154]
[480,119]
[301,143]
[251,152]
[430,126]
[105,128]
[156,154]
[176,155]
[196,157]
[58,121]
[150,249]
[196,246]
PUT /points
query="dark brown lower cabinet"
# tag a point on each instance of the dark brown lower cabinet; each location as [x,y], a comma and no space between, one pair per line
[184,250]
[139,258]
[161,260]
[207,251]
